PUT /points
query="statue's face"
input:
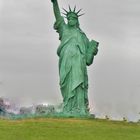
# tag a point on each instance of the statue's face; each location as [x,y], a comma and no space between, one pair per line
[72,21]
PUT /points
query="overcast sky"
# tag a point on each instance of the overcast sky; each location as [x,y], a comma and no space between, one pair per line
[29,64]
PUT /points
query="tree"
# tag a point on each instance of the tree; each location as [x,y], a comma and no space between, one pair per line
[2,107]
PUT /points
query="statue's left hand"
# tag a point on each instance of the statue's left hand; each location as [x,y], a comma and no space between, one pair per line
[95,50]
[94,46]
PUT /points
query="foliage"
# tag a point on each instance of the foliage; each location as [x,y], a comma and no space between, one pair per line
[43,109]
[2,107]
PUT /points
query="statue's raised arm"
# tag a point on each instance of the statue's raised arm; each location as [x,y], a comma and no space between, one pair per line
[56,9]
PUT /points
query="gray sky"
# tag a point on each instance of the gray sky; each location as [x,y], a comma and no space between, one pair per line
[29,64]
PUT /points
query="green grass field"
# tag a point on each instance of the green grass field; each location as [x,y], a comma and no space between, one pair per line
[68,129]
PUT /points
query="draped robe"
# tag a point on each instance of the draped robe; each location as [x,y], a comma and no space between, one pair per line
[75,53]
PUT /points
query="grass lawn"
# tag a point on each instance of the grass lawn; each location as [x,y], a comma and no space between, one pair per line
[68,129]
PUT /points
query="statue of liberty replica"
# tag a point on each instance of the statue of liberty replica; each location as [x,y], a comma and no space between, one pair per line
[75,53]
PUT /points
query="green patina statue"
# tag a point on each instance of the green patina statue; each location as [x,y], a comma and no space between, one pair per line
[75,53]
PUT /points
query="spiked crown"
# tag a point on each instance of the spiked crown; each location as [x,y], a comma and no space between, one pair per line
[72,13]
